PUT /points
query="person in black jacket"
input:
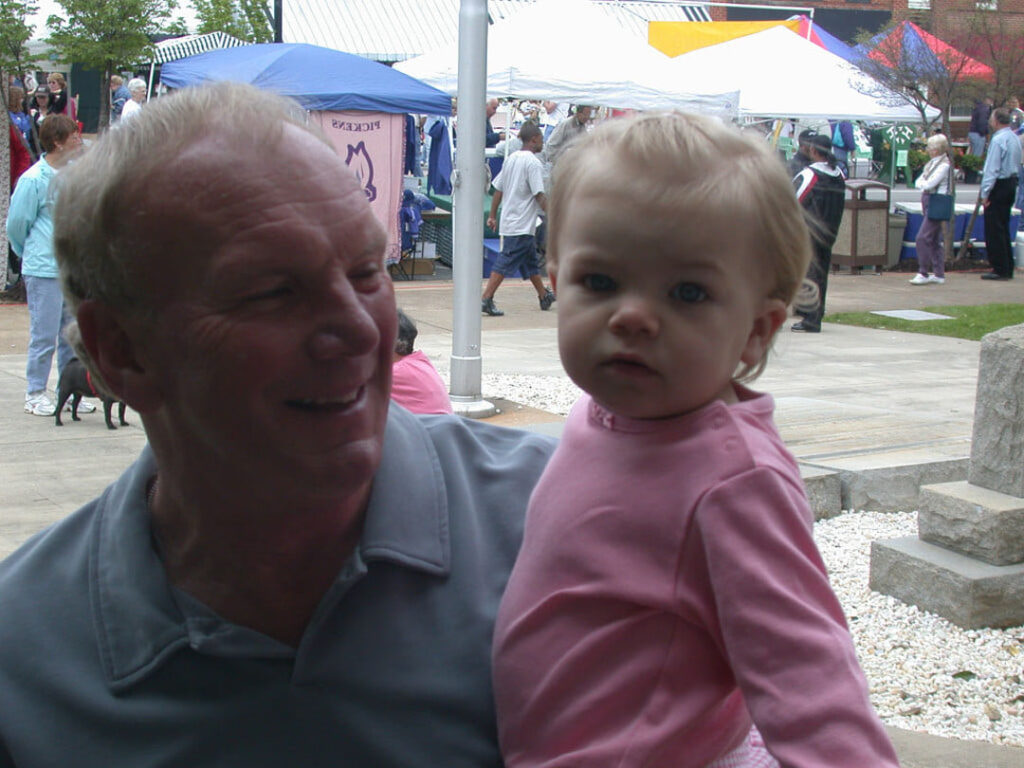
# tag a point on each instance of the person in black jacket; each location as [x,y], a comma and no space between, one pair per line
[821,190]
[977,131]
[801,159]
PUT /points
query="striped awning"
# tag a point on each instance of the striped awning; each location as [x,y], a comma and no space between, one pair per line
[395,30]
[189,45]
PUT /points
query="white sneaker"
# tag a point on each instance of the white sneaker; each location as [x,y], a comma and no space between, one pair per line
[936,280]
[83,407]
[920,279]
[38,404]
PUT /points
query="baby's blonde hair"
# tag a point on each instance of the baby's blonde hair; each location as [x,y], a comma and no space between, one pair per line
[684,162]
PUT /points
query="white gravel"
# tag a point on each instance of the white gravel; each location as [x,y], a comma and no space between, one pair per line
[925,673]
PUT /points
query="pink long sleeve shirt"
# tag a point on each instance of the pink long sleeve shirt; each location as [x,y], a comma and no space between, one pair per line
[668,591]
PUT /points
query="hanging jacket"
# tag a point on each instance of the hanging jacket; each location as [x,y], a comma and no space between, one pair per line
[439,173]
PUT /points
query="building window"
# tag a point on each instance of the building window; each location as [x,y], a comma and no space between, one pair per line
[919,5]
[987,5]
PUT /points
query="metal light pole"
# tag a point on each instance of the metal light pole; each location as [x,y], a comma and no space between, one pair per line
[467,210]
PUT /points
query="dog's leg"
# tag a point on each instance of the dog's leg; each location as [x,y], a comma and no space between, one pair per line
[62,397]
[75,400]
[108,404]
[120,413]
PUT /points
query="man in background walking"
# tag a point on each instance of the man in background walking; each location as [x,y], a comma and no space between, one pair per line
[521,186]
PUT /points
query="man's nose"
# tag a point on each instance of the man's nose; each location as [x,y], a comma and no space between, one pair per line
[344,325]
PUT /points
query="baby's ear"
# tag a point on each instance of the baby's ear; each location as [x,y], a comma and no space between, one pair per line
[765,325]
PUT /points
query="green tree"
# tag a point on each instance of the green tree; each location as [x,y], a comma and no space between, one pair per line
[998,40]
[924,80]
[14,34]
[107,34]
[247,20]
[937,79]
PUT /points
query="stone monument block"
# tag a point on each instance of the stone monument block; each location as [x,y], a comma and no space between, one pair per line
[962,589]
[967,561]
[973,521]
[997,444]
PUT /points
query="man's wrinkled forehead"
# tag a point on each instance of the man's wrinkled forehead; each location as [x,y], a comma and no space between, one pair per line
[220,180]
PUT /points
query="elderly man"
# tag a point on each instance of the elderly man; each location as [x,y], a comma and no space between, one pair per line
[998,190]
[565,133]
[292,573]
[491,136]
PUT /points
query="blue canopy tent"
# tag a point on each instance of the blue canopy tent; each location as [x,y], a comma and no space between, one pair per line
[326,83]
[320,79]
[820,36]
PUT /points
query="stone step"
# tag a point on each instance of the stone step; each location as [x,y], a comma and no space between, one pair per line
[891,480]
[974,521]
[966,591]
[824,491]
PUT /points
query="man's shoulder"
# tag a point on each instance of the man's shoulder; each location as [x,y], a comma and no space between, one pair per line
[473,440]
[46,572]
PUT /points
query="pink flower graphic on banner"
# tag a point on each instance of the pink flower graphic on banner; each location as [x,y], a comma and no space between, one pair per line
[359,161]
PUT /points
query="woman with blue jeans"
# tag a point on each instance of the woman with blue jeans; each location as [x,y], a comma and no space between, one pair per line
[30,232]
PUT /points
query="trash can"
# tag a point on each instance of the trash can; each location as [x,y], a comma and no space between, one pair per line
[863,237]
[897,226]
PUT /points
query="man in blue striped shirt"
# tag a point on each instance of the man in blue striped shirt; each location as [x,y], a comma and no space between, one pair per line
[998,189]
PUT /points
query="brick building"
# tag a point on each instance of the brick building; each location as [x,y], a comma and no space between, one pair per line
[946,19]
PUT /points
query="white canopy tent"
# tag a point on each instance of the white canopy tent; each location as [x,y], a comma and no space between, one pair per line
[780,74]
[567,50]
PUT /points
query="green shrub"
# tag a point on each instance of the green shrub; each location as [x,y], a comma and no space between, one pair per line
[969,162]
[916,159]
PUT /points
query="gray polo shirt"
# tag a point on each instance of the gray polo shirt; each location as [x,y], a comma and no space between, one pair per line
[103,663]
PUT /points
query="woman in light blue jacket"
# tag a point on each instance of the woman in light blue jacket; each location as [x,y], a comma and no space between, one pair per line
[30,232]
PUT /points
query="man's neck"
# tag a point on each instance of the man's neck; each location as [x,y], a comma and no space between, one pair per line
[264,569]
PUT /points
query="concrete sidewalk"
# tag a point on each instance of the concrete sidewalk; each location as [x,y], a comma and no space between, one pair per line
[851,400]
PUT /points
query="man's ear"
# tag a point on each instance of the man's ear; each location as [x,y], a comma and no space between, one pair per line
[773,315]
[113,354]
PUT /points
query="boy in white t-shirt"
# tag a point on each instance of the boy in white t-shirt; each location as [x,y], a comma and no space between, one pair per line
[520,185]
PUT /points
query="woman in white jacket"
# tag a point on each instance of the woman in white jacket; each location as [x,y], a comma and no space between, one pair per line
[934,179]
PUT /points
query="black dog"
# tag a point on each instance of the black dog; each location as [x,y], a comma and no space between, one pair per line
[74,382]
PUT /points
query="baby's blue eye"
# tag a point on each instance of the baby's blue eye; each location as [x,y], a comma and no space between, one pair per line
[598,282]
[691,293]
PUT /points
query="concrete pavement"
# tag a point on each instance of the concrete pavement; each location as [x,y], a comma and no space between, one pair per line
[851,400]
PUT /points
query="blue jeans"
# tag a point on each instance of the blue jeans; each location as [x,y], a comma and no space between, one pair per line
[46,320]
[977,142]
